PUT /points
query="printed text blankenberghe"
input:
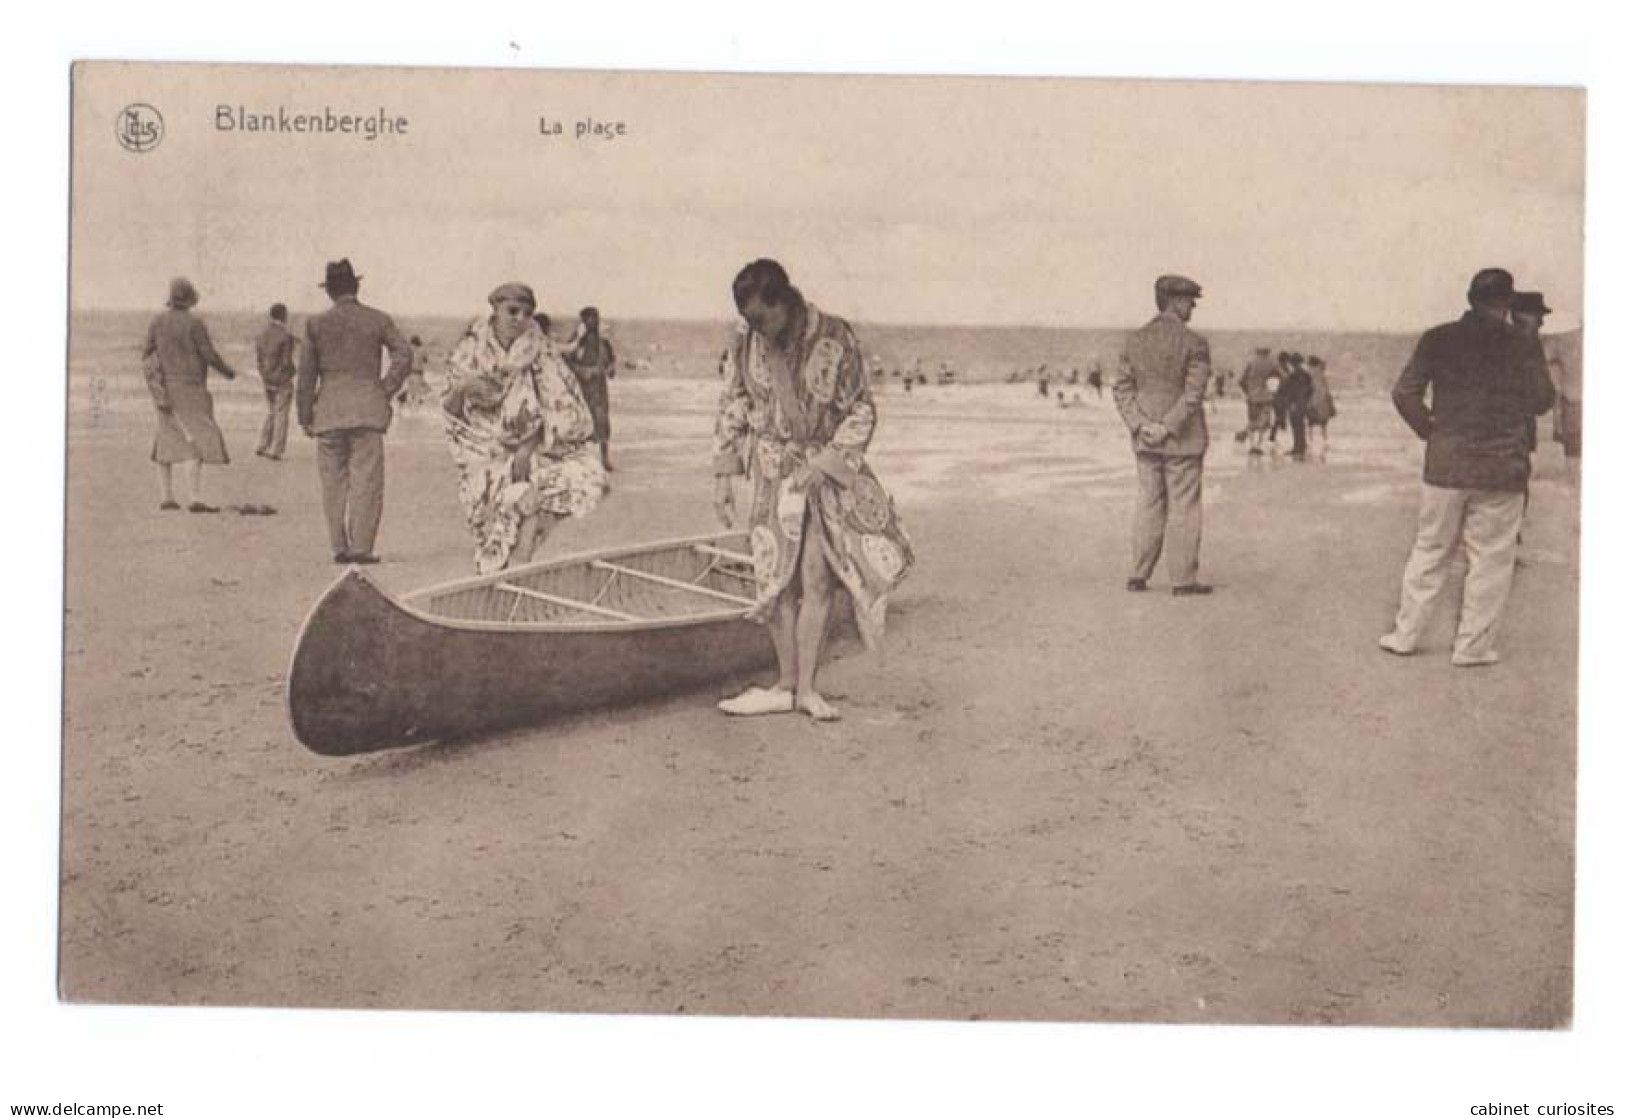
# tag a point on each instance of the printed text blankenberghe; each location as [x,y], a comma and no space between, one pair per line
[238,118]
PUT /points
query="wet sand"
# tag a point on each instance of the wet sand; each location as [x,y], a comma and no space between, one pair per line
[1051,800]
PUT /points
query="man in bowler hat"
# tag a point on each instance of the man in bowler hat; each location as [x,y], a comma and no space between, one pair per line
[344,404]
[1469,391]
[1161,381]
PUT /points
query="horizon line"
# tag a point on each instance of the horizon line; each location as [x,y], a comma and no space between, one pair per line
[885,323]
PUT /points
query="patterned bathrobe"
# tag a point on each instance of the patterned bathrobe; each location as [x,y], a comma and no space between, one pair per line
[817,410]
[496,400]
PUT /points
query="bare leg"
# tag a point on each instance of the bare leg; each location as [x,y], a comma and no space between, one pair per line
[817,587]
[192,478]
[782,627]
[781,697]
[166,484]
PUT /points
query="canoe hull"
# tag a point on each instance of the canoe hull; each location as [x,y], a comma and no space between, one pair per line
[369,673]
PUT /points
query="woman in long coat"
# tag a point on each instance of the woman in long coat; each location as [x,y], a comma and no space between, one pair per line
[176,360]
[520,433]
[1321,406]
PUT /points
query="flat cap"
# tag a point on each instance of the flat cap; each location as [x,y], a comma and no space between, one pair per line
[1529,302]
[517,291]
[1168,286]
[1490,283]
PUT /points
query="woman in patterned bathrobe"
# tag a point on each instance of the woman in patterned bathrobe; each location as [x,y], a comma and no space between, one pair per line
[796,417]
[520,433]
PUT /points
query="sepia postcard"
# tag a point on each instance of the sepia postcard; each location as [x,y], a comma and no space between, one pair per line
[822,546]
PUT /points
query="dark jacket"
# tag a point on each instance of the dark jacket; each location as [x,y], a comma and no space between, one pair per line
[339,382]
[1296,389]
[1163,378]
[1486,381]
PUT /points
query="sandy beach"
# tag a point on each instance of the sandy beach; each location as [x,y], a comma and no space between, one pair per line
[1051,799]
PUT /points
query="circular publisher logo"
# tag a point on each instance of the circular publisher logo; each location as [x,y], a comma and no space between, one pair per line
[140,127]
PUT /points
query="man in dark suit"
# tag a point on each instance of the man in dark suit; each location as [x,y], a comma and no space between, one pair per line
[344,404]
[273,352]
[1161,381]
[1486,380]
[1296,388]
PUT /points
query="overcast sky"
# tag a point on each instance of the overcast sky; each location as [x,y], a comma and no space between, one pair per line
[901,200]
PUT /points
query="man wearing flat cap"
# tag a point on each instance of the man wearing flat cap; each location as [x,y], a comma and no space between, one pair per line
[344,404]
[1469,391]
[1161,381]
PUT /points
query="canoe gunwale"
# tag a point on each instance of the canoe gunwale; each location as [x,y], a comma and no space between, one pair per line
[410,602]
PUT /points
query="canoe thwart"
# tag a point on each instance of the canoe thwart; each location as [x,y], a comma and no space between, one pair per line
[568,603]
[673,583]
[720,553]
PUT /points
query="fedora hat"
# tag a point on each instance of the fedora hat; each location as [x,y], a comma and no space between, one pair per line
[1529,302]
[340,274]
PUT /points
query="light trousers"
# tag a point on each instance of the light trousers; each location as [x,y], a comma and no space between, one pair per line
[274,431]
[1168,514]
[1484,522]
[350,464]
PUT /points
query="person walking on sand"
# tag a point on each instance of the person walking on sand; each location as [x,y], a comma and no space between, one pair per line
[344,404]
[1260,397]
[796,391]
[414,390]
[1097,378]
[1161,381]
[592,359]
[1322,408]
[273,353]
[1486,380]
[1283,366]
[1293,396]
[176,360]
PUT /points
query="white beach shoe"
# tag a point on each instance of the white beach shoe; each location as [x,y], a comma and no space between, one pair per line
[1390,642]
[1475,659]
[759,700]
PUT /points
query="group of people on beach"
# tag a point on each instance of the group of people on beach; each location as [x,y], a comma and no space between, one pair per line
[1286,392]
[527,423]
[1471,391]
[528,426]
